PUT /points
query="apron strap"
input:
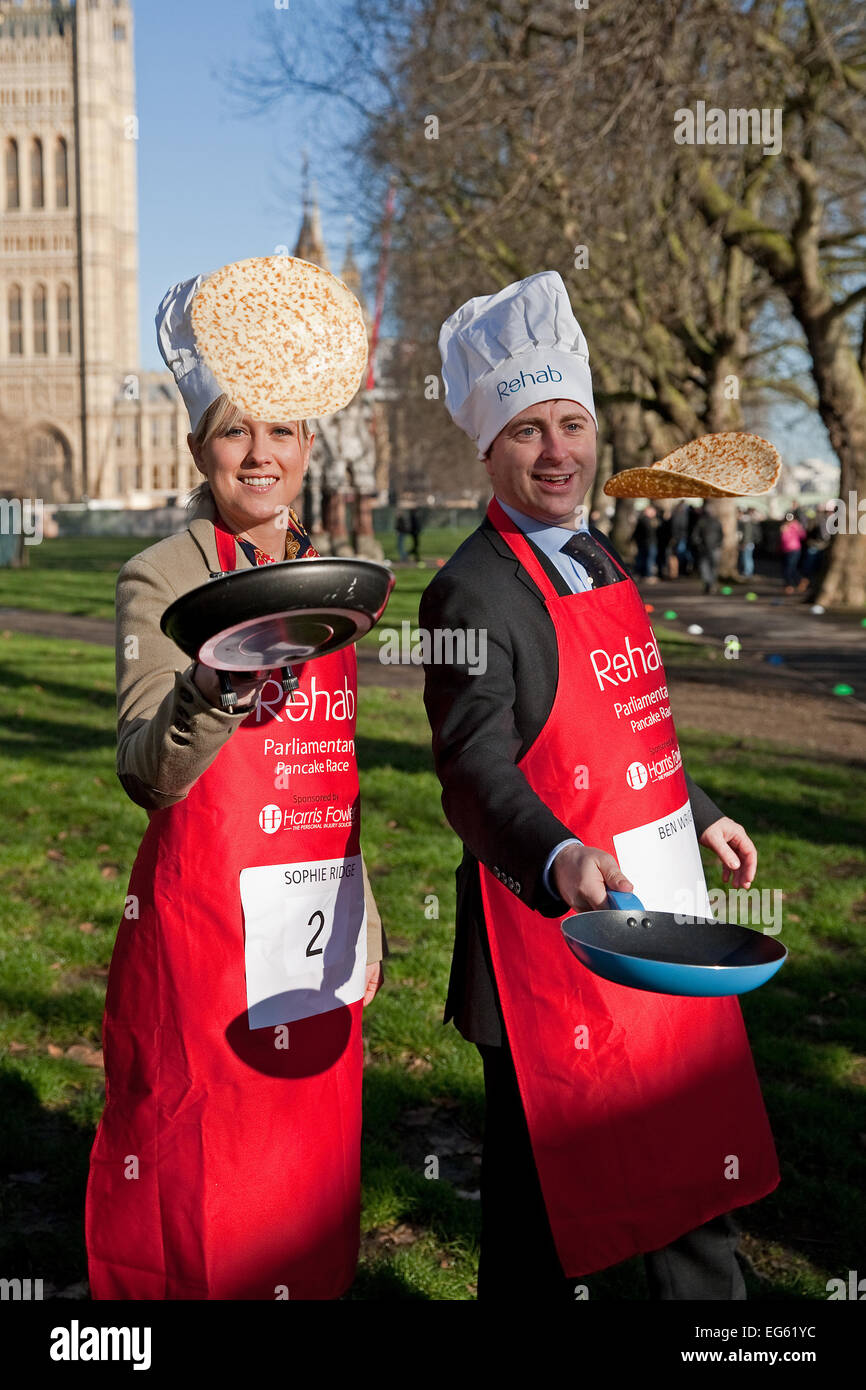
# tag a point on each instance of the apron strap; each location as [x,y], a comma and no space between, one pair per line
[226,552]
[514,537]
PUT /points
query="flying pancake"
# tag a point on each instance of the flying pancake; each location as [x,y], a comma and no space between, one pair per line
[285,339]
[715,465]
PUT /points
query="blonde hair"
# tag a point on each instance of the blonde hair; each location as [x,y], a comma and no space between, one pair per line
[222,415]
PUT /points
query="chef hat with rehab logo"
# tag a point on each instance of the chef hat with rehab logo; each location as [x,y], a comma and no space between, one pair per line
[503,352]
[174,335]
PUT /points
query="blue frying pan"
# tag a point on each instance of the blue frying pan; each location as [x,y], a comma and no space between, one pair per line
[656,951]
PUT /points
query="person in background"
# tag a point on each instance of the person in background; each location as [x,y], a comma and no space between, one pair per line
[402,528]
[645,538]
[746,543]
[416,526]
[663,541]
[679,557]
[791,538]
[706,545]
[815,543]
[819,539]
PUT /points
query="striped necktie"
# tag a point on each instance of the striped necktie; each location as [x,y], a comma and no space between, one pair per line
[583,548]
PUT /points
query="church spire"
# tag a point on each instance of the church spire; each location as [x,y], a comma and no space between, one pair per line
[311,243]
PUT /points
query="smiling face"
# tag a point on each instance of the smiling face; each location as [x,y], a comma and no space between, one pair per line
[254,468]
[543,462]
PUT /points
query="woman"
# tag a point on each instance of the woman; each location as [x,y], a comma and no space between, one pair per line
[227,1161]
[791,537]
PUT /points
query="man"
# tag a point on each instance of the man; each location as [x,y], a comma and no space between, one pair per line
[618,1122]
[746,542]
[706,543]
[645,537]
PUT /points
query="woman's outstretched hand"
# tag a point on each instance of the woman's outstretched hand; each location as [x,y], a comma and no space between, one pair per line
[246,688]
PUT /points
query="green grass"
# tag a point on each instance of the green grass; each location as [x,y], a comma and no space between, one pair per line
[77,575]
[64,861]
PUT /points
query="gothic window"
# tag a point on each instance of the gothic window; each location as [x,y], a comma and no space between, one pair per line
[154,429]
[16,332]
[64,321]
[37,180]
[13,191]
[40,321]
[118,432]
[173,483]
[61,174]
[139,478]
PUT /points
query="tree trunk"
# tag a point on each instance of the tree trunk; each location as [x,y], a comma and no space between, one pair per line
[842,403]
[628,441]
[723,414]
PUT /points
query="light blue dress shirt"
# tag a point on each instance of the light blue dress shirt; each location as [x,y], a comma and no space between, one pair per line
[550,540]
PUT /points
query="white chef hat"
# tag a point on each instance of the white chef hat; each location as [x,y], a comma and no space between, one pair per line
[502,352]
[174,335]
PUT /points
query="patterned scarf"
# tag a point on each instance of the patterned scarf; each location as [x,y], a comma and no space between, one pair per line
[298,543]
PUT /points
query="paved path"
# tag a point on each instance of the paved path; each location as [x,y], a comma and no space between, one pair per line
[791,702]
[97,630]
[100,632]
[818,651]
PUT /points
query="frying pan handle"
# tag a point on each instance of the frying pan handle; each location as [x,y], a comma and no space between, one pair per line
[621,901]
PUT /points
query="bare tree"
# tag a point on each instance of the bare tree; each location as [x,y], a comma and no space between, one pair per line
[526,136]
[807,59]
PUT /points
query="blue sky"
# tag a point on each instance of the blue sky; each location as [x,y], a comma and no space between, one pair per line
[216,185]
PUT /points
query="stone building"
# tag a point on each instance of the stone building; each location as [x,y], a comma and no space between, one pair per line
[79,418]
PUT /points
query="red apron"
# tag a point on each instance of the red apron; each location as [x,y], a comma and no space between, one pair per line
[227,1161]
[644,1110]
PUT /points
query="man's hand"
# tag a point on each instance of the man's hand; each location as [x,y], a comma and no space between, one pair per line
[731,844]
[583,875]
[375,978]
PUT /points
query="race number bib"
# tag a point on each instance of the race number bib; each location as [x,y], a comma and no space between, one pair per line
[306,946]
[663,861]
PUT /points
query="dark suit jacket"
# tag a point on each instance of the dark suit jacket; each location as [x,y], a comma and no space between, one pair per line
[482,725]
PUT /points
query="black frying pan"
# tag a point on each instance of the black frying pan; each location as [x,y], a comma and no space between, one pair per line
[295,610]
[274,615]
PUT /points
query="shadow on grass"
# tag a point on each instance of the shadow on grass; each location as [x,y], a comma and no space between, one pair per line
[393,753]
[43,1203]
[14,676]
[69,1008]
[62,741]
